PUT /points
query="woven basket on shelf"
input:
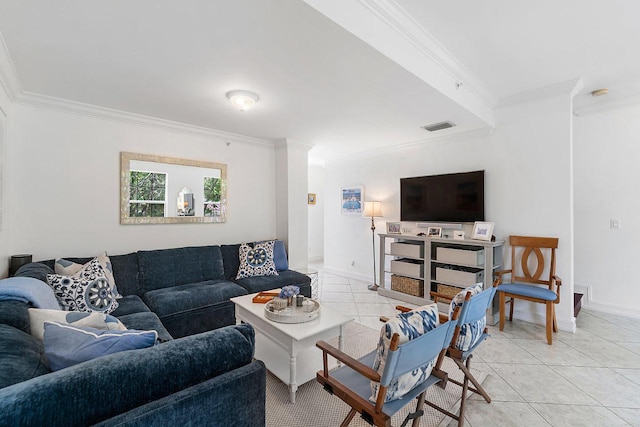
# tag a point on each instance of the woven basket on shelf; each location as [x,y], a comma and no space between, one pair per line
[407,285]
[448,291]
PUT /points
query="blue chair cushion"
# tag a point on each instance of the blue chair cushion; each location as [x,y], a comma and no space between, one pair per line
[531,291]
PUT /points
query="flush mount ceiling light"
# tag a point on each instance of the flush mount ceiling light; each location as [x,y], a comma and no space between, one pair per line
[600,92]
[243,100]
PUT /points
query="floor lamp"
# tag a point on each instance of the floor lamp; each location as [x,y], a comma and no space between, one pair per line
[373,210]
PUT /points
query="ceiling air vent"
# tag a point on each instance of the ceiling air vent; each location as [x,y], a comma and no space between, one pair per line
[438,126]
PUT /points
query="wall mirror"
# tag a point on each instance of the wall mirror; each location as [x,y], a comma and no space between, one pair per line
[168,190]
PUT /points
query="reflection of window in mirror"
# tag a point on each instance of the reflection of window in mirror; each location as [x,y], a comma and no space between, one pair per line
[147,194]
[212,196]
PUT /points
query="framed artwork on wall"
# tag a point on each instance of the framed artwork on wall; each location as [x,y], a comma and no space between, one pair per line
[482,230]
[352,200]
[394,228]
[311,198]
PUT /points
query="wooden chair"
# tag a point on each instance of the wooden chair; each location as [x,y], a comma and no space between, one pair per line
[351,382]
[526,285]
[467,313]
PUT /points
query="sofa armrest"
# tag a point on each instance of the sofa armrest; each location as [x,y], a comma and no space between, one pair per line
[102,388]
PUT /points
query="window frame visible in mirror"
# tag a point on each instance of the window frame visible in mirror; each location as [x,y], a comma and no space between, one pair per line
[125,173]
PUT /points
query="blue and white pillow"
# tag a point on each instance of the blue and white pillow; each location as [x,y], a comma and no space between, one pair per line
[66,345]
[87,290]
[103,321]
[408,326]
[469,332]
[256,261]
[64,267]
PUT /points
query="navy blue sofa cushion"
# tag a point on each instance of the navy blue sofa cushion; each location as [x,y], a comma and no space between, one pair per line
[21,356]
[284,278]
[130,304]
[37,270]
[231,258]
[167,301]
[146,321]
[16,314]
[99,389]
[174,267]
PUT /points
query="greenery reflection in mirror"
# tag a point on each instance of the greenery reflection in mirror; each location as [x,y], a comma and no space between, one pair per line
[168,190]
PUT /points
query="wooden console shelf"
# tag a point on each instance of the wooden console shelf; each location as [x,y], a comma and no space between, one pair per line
[421,263]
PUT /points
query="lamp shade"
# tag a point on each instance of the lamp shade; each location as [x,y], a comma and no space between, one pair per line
[372,209]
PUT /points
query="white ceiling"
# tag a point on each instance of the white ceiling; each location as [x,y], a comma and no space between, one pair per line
[318,83]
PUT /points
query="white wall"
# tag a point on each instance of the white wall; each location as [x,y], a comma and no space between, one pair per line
[5,106]
[63,179]
[316,213]
[527,163]
[607,186]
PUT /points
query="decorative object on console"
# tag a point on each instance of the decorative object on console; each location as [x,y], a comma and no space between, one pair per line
[18,261]
[434,231]
[352,198]
[373,210]
[311,198]
[458,234]
[87,290]
[394,228]
[482,230]
[256,261]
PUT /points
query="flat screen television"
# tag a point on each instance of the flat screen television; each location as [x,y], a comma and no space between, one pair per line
[455,197]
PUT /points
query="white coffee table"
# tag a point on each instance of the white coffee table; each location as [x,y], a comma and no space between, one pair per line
[288,349]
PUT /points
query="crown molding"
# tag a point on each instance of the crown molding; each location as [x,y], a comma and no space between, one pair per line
[398,19]
[613,104]
[461,135]
[388,28]
[570,88]
[88,110]
[288,142]
[13,88]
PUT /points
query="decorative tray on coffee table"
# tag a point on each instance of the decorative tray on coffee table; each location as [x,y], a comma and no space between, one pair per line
[291,314]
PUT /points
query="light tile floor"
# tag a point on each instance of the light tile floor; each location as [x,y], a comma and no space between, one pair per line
[590,378]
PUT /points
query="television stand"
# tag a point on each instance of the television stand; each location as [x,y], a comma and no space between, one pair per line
[413,266]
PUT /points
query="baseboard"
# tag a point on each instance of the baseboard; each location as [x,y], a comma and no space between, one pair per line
[319,258]
[349,274]
[568,325]
[589,304]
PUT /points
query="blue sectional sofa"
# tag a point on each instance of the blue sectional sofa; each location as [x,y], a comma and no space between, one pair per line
[202,374]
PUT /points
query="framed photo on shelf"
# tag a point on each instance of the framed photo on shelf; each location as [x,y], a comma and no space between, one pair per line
[394,228]
[434,232]
[482,230]
[352,200]
[311,199]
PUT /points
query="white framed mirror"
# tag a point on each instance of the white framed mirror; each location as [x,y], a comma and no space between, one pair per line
[168,190]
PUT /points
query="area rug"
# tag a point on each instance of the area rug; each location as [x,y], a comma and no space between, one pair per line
[315,407]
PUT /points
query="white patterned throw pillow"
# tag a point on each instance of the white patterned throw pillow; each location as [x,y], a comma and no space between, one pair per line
[87,290]
[65,267]
[408,326]
[103,321]
[469,332]
[256,261]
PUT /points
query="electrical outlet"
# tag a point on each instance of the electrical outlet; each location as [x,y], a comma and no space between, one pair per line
[615,224]
[353,263]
